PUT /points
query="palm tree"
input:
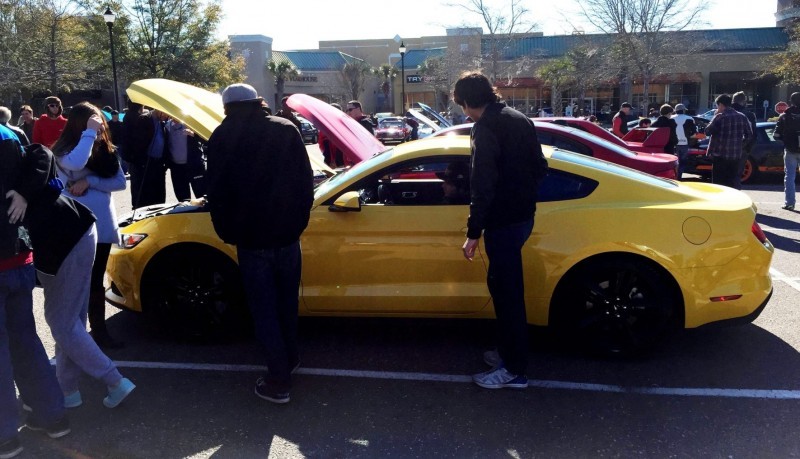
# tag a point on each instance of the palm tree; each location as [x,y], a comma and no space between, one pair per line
[282,71]
[388,73]
[354,76]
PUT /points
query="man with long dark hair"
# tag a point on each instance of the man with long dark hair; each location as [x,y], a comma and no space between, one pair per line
[507,164]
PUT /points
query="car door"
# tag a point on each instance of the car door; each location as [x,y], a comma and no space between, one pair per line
[769,149]
[399,254]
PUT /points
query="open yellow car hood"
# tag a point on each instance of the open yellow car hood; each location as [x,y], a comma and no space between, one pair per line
[200,110]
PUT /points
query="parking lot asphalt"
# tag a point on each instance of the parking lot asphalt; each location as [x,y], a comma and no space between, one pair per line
[400,388]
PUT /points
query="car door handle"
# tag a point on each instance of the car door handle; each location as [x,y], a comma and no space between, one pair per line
[408,194]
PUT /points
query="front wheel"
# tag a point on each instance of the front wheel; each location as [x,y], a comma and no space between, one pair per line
[195,294]
[615,306]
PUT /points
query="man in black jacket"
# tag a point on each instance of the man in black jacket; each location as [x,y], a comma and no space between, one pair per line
[788,130]
[260,192]
[507,163]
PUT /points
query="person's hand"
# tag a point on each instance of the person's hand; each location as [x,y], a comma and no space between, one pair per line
[79,188]
[469,248]
[17,208]
[95,123]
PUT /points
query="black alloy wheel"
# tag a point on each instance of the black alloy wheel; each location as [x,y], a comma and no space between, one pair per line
[197,295]
[615,306]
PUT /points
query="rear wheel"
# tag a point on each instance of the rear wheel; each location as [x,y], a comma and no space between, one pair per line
[749,172]
[615,305]
[195,293]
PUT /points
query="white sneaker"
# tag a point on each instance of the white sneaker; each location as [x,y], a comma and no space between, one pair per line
[500,378]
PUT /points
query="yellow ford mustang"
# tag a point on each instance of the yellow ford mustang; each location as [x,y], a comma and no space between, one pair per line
[616,256]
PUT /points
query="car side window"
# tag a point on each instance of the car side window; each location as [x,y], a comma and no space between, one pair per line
[563,186]
[420,183]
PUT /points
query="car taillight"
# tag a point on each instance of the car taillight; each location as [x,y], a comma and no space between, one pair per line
[759,233]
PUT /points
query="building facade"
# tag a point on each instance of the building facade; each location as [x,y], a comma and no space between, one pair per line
[722,61]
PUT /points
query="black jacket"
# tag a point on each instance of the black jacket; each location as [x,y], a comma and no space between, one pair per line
[55,222]
[507,164]
[260,183]
[667,122]
[748,145]
[788,129]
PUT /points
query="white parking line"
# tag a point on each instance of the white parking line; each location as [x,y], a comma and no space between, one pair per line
[779,276]
[433,377]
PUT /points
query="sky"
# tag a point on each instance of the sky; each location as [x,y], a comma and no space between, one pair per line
[301,24]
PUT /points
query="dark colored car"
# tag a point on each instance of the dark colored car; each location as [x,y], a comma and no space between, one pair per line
[766,157]
[309,132]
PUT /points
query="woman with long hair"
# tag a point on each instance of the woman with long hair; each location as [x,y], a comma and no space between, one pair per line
[89,167]
[90,171]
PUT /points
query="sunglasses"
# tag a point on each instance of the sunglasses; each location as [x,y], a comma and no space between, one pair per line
[52,105]
[350,109]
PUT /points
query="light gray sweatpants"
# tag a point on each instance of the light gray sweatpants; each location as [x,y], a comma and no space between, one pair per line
[66,303]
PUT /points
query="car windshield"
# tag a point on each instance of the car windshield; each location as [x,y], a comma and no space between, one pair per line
[334,181]
[391,123]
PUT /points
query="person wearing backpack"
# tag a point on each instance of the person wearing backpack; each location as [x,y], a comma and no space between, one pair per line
[788,130]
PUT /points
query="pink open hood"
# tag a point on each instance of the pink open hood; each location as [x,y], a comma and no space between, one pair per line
[355,142]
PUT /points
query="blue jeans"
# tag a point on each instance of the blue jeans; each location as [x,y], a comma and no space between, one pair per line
[683,155]
[506,285]
[271,279]
[790,161]
[22,356]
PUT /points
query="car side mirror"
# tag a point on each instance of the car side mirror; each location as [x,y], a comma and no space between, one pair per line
[348,202]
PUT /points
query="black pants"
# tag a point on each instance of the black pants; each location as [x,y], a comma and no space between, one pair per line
[148,183]
[726,172]
[179,173]
[97,302]
[506,284]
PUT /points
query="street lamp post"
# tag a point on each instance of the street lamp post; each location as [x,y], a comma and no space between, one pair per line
[403,75]
[109,17]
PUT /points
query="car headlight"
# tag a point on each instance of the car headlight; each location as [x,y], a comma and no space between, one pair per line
[129,241]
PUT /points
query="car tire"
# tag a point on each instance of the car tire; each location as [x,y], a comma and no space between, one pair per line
[749,172]
[617,305]
[195,292]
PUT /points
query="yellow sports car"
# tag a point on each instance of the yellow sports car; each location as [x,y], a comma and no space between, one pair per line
[616,256]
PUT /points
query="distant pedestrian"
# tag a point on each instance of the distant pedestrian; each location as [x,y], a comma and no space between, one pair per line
[506,165]
[409,120]
[143,148]
[48,127]
[645,122]
[260,192]
[685,129]
[178,158]
[665,120]
[788,131]
[26,121]
[619,124]
[740,105]
[23,360]
[287,113]
[729,130]
[354,110]
[5,117]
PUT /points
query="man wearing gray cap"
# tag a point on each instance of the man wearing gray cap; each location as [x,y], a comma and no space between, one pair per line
[685,130]
[260,192]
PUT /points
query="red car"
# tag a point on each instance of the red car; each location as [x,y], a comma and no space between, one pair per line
[580,141]
[646,140]
[392,129]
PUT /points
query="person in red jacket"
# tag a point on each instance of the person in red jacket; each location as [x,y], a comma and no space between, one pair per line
[49,126]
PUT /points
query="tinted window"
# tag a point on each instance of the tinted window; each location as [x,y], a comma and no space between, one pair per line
[614,169]
[563,186]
